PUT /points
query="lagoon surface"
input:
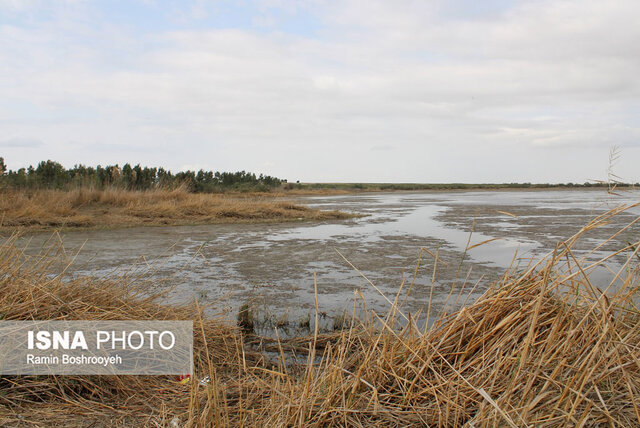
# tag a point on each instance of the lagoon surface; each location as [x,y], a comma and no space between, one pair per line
[273,266]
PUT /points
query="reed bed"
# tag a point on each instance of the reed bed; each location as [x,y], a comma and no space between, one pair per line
[85,207]
[28,290]
[543,346]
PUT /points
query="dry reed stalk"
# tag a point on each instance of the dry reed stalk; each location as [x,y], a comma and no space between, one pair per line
[46,209]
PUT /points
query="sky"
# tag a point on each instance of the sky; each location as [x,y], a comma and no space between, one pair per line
[326,91]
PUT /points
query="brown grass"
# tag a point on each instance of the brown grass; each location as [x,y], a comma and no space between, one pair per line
[42,209]
[545,347]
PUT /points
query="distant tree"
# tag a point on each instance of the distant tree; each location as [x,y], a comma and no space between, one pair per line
[127,176]
[50,174]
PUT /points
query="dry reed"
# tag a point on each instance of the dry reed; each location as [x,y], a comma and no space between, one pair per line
[83,207]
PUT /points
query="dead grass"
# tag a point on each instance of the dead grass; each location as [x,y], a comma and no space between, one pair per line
[43,209]
[544,347]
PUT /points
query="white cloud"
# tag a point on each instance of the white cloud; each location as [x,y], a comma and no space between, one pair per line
[20,142]
[514,84]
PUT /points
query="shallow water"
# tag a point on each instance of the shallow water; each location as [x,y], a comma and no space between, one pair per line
[273,265]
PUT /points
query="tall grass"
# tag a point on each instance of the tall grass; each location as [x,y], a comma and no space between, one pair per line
[541,347]
[85,207]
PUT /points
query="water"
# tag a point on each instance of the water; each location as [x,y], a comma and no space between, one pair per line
[273,265]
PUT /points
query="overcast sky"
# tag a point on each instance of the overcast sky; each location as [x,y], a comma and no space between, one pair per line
[355,90]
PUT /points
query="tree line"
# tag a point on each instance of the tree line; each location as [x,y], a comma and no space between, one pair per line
[52,175]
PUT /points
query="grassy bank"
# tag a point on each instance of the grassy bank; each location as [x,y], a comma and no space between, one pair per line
[42,209]
[542,347]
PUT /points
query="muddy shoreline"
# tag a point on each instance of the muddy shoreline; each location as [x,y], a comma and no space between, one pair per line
[272,266]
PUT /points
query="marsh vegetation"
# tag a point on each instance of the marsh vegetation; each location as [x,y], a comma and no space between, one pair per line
[86,208]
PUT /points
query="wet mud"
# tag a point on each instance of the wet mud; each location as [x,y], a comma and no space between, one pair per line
[272,267]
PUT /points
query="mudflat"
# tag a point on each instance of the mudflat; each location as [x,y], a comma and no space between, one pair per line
[272,266]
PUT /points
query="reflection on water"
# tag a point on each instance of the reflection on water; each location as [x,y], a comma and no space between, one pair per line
[274,265]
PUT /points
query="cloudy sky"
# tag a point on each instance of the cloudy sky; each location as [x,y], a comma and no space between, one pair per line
[353,90]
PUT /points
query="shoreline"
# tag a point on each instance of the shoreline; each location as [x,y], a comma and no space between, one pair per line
[37,211]
[355,191]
